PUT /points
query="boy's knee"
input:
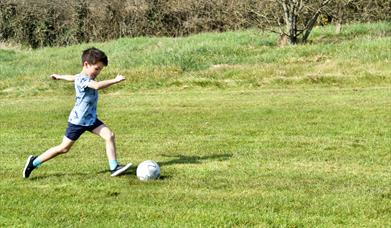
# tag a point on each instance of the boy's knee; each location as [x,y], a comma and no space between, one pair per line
[110,136]
[64,150]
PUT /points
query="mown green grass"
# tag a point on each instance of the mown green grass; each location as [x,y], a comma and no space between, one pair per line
[292,137]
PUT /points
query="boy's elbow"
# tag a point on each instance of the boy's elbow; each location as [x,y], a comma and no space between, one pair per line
[95,86]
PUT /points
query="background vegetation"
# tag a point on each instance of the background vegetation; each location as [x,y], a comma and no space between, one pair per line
[37,23]
[249,59]
[246,133]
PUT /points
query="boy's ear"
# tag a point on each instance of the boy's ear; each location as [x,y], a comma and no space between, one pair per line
[85,64]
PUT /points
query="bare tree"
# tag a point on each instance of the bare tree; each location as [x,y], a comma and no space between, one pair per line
[299,18]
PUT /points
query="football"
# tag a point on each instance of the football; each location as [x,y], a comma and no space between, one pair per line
[148,170]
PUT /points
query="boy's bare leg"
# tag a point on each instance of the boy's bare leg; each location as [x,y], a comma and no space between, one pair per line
[32,161]
[64,147]
[104,132]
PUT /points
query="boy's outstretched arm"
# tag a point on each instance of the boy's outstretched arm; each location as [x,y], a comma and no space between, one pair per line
[105,83]
[69,78]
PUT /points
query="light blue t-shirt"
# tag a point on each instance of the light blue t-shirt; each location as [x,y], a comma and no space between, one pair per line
[84,111]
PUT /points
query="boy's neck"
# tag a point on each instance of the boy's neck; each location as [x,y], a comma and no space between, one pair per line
[83,72]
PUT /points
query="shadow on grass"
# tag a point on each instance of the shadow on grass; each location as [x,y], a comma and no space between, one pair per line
[176,159]
[131,170]
[70,174]
[184,159]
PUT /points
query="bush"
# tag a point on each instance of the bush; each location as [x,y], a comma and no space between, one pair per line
[39,23]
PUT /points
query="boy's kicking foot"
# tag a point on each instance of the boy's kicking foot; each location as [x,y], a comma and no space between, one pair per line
[28,167]
[120,169]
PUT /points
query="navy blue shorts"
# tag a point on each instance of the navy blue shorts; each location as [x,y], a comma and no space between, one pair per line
[73,131]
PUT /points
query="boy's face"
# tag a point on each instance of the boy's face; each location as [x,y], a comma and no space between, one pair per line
[92,70]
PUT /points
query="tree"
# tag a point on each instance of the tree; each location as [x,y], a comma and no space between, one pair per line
[7,16]
[300,17]
[82,13]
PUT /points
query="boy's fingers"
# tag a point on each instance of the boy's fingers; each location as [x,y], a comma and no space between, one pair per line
[120,77]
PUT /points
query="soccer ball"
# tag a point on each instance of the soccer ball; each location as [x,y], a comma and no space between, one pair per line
[148,170]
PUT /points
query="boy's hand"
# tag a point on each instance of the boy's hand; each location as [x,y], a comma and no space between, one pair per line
[119,78]
[69,78]
[55,76]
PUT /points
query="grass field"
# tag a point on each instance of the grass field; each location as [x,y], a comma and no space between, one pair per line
[246,133]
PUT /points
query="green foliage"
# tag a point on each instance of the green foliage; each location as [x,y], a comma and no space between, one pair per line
[41,23]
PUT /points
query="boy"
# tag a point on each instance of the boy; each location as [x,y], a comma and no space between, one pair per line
[83,115]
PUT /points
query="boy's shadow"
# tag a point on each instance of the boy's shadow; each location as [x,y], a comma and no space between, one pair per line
[59,175]
[184,159]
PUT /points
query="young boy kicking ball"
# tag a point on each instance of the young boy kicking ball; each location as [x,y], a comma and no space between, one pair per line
[83,115]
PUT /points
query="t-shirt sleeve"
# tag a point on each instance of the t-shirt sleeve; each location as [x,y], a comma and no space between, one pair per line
[83,82]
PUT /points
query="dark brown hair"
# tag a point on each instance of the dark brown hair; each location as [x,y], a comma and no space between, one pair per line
[93,56]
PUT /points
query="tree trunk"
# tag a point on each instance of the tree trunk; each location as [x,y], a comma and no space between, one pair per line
[310,26]
[292,10]
[338,28]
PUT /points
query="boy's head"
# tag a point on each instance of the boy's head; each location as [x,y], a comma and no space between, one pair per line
[93,61]
[93,56]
